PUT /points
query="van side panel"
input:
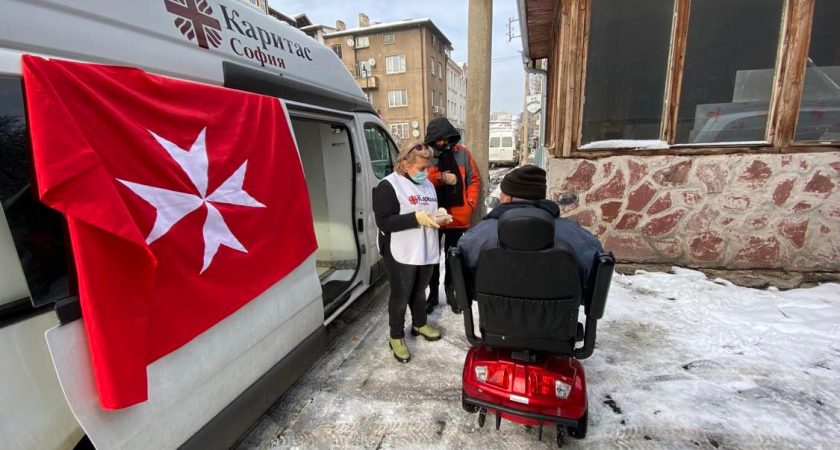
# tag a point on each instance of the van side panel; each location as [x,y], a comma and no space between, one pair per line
[143,34]
[29,392]
[12,282]
[190,386]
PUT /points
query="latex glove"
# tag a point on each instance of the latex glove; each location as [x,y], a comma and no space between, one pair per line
[442,217]
[424,219]
[449,178]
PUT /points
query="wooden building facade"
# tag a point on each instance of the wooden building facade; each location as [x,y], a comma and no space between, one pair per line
[703,133]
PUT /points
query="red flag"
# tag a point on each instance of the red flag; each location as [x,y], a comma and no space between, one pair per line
[184,202]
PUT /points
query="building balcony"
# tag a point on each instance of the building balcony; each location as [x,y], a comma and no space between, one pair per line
[370,82]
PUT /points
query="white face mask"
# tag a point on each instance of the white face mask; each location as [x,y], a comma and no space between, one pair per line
[420,176]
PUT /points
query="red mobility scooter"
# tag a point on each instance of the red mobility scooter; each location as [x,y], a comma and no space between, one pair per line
[525,366]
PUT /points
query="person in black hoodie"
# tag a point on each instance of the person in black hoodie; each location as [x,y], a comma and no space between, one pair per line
[525,187]
[456,181]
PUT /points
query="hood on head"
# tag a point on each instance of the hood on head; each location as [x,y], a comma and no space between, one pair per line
[441,128]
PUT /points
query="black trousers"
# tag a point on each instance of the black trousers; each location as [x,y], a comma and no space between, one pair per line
[408,289]
[450,239]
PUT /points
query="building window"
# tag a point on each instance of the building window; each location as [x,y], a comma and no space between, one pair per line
[625,81]
[432,64]
[726,87]
[362,42]
[397,98]
[399,130]
[337,49]
[819,113]
[363,69]
[395,64]
[440,71]
[388,38]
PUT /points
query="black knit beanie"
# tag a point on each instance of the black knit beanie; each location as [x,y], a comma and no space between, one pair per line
[526,182]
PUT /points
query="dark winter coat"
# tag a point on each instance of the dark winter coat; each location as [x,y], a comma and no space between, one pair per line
[467,173]
[485,235]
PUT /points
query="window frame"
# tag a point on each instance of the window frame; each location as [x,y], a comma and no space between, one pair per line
[359,39]
[386,41]
[403,96]
[402,64]
[337,49]
[403,127]
[570,48]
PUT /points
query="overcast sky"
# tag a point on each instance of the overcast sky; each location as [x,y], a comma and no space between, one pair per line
[508,76]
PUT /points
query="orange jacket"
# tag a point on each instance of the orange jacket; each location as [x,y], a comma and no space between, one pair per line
[461,215]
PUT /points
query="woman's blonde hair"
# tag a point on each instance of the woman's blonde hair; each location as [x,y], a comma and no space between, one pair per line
[410,152]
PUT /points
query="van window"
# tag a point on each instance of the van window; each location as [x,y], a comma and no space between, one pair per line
[494,141]
[507,141]
[383,152]
[38,232]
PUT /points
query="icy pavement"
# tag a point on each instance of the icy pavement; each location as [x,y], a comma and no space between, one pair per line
[681,362]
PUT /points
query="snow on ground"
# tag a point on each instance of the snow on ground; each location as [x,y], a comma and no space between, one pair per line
[640,144]
[681,362]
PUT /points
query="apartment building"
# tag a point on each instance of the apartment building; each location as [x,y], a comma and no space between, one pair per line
[401,68]
[456,95]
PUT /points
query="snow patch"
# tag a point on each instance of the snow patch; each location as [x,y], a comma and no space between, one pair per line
[639,144]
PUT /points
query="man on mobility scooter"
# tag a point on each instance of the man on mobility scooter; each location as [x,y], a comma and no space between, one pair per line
[529,271]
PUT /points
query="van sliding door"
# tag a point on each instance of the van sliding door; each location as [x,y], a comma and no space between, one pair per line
[328,160]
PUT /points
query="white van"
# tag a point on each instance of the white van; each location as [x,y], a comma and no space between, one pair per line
[503,147]
[208,392]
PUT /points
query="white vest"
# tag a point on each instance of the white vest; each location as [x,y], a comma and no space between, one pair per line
[415,246]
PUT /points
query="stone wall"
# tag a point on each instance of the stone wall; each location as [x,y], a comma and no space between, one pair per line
[744,211]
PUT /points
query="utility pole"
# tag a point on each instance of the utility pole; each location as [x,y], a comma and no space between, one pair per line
[523,155]
[479,50]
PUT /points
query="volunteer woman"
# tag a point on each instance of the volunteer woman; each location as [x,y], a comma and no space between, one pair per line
[405,204]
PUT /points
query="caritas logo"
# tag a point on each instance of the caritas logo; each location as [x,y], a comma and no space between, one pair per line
[415,200]
[195,21]
[234,33]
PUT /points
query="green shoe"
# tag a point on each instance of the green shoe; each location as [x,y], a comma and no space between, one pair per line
[427,332]
[400,350]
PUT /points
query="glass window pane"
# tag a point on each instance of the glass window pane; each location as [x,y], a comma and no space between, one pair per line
[38,232]
[628,58]
[494,141]
[507,142]
[729,67]
[380,149]
[819,115]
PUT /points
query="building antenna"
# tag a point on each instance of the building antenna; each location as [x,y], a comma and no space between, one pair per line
[510,31]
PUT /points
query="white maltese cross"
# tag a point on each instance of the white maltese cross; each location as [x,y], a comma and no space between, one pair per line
[172,206]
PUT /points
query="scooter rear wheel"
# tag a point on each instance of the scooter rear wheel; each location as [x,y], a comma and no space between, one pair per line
[579,432]
[561,436]
[482,417]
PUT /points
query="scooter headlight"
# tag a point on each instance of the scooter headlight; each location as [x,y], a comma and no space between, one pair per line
[561,389]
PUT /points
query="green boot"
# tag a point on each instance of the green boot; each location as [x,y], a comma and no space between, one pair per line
[427,332]
[400,350]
